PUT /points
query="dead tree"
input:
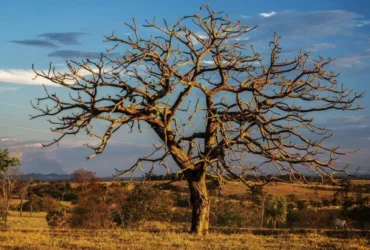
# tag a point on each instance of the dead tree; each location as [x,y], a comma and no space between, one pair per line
[23,192]
[83,177]
[243,105]
[8,182]
[9,174]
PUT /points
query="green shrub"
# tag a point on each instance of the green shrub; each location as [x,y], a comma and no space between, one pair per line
[43,204]
[147,203]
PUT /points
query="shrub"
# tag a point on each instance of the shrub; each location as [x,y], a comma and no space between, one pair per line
[231,213]
[93,208]
[276,210]
[360,215]
[147,203]
[301,204]
[58,219]
[44,204]
[182,200]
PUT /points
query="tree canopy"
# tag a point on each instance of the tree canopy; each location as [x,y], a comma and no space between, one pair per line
[199,71]
[7,161]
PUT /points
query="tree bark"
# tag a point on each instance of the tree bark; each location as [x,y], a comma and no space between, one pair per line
[21,208]
[199,201]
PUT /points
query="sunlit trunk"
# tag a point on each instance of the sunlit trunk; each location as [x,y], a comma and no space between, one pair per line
[200,203]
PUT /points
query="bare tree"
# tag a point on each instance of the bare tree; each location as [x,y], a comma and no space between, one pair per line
[244,104]
[84,177]
[23,192]
[9,174]
[32,201]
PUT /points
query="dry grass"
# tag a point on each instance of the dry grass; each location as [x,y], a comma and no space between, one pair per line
[302,191]
[360,182]
[37,221]
[119,239]
[32,233]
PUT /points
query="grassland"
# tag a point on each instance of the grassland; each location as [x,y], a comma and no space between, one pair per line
[33,233]
[301,191]
[118,239]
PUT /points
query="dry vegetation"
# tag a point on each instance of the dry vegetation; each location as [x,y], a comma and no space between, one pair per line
[301,191]
[32,233]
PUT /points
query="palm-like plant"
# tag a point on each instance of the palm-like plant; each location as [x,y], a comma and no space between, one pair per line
[276,210]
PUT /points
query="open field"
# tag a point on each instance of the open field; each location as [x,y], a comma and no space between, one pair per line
[117,239]
[33,233]
[301,191]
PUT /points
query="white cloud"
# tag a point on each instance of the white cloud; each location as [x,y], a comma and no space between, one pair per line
[200,36]
[33,145]
[362,23]
[321,46]
[23,76]
[267,14]
[6,89]
[9,139]
[359,126]
[209,62]
[241,39]
[351,61]
[353,118]
[243,16]
[310,24]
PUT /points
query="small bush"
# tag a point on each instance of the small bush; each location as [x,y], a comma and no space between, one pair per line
[43,204]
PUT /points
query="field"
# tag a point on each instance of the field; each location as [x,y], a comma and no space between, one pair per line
[301,191]
[32,233]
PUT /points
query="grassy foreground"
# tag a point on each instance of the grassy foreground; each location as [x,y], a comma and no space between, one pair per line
[33,233]
[117,239]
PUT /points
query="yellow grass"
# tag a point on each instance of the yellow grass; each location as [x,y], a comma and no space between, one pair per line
[123,239]
[302,191]
[33,233]
[37,221]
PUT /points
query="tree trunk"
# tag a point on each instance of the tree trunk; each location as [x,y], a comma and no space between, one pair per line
[200,202]
[21,208]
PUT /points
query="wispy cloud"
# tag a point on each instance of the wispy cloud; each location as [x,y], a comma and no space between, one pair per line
[23,76]
[241,39]
[321,46]
[243,16]
[363,23]
[353,60]
[353,118]
[66,54]
[66,38]
[348,122]
[200,36]
[35,42]
[307,25]
[6,89]
[267,14]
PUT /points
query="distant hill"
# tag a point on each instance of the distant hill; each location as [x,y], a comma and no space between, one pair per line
[47,177]
[61,177]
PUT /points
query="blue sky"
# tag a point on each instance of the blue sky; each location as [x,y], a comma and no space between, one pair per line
[38,32]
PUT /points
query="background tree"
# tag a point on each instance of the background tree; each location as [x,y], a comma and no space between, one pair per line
[9,174]
[23,192]
[84,177]
[245,104]
[276,210]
